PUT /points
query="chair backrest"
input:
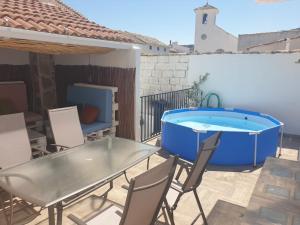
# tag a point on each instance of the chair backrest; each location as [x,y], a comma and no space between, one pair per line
[14,142]
[206,151]
[15,92]
[66,127]
[146,194]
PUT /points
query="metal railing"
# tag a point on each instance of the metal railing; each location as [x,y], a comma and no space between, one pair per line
[153,107]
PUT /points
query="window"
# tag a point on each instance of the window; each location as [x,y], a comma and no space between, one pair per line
[203,37]
[150,47]
[204,18]
[165,49]
[157,48]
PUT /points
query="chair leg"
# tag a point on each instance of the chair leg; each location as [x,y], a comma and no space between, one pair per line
[176,202]
[182,167]
[11,209]
[179,173]
[3,209]
[126,177]
[169,212]
[200,208]
[164,214]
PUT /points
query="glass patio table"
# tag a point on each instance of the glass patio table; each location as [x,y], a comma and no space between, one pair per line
[49,180]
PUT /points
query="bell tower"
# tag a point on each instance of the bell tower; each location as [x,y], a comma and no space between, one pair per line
[205,23]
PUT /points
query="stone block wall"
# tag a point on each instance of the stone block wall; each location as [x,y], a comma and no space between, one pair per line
[42,70]
[163,73]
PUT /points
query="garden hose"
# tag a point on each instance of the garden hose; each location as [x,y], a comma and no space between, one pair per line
[208,98]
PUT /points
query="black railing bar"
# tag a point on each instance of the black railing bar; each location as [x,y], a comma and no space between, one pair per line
[165,92]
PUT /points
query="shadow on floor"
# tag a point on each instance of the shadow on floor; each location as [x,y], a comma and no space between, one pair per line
[226,213]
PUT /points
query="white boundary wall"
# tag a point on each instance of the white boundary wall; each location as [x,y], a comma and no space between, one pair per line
[163,73]
[268,83]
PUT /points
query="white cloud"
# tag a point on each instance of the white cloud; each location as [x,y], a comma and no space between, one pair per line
[269,1]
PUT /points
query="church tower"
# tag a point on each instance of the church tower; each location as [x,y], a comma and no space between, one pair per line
[208,36]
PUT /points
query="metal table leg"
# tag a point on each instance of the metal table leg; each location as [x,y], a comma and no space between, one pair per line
[59,210]
[51,215]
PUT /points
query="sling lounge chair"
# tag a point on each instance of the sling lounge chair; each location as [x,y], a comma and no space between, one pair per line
[144,200]
[194,175]
[66,129]
[67,133]
[15,149]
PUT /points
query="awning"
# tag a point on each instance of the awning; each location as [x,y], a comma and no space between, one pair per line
[50,48]
[47,43]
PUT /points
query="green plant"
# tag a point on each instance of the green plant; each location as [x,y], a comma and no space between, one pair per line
[196,94]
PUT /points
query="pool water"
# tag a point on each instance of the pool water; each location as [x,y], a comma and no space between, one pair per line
[219,123]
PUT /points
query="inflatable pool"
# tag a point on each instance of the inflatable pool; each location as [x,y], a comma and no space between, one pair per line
[248,137]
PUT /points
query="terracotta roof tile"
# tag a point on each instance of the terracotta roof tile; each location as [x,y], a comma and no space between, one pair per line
[53,16]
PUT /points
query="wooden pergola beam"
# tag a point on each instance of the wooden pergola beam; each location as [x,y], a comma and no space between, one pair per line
[50,48]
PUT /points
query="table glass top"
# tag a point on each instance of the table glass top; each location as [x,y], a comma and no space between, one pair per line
[52,178]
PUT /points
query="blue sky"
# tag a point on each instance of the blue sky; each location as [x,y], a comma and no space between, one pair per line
[175,19]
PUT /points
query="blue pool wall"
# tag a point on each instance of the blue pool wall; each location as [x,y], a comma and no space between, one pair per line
[235,149]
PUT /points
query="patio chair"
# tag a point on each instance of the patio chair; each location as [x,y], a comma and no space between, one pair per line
[194,175]
[15,148]
[66,127]
[67,134]
[145,196]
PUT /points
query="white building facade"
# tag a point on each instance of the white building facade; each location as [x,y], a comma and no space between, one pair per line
[208,36]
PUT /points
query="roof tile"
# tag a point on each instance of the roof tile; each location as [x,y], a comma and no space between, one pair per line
[54,17]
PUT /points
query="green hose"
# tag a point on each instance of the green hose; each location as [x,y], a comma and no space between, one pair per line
[208,98]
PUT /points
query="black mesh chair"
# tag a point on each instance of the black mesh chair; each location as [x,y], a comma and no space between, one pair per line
[194,175]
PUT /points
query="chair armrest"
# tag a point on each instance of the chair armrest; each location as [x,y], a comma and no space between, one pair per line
[183,166]
[76,220]
[176,188]
[61,147]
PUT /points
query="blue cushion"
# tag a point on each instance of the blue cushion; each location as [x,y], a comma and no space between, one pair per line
[93,127]
[99,98]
